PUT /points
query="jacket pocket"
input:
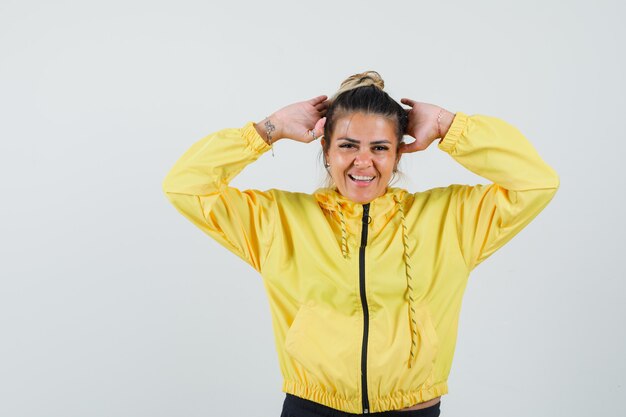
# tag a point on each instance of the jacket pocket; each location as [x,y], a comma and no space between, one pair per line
[391,349]
[428,342]
[326,344]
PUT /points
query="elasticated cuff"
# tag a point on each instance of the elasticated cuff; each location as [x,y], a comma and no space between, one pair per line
[454,133]
[253,139]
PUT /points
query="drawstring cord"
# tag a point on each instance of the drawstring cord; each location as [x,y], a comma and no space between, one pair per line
[407,263]
[409,282]
[344,233]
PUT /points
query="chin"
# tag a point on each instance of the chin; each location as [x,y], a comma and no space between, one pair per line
[361,198]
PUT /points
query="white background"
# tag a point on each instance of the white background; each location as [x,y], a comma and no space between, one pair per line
[113,304]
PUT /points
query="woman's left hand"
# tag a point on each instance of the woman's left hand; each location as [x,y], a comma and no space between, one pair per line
[423,124]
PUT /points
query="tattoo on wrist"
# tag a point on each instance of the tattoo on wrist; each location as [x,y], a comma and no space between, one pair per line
[269,128]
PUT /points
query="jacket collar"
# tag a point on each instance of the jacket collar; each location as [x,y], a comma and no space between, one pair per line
[331,200]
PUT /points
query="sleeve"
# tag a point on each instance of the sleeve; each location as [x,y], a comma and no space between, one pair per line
[488,216]
[197,186]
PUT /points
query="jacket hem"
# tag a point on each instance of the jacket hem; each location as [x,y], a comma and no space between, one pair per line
[318,395]
[353,405]
[398,401]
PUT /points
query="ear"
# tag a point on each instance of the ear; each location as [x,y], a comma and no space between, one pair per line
[398,156]
[399,153]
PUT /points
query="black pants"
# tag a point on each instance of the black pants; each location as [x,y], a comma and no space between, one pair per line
[299,407]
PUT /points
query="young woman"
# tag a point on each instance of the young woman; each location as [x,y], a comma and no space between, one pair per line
[365,281]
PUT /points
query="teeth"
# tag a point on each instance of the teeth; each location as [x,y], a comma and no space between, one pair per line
[361,178]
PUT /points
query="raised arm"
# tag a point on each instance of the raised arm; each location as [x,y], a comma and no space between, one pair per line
[198,183]
[197,186]
[488,216]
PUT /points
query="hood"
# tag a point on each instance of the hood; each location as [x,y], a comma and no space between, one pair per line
[382,208]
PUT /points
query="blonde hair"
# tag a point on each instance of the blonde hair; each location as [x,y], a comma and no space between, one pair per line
[362,79]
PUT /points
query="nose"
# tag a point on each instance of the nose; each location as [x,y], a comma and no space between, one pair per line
[363,159]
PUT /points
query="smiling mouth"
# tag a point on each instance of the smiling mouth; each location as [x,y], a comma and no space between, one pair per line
[361,179]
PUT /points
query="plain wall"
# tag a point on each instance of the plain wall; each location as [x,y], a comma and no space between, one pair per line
[113,304]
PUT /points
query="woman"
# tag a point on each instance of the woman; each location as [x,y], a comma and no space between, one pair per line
[365,281]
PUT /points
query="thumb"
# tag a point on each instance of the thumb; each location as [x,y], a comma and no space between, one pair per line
[319,127]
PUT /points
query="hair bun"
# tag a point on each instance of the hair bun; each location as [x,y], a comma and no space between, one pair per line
[362,79]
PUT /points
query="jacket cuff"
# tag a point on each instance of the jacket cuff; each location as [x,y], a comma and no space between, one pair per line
[449,141]
[253,140]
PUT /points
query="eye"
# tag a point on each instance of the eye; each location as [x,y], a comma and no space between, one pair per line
[346,145]
[381,148]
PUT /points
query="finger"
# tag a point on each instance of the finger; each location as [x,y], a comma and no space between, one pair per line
[406,148]
[317,100]
[409,147]
[322,105]
[407,101]
[322,109]
[305,136]
[315,133]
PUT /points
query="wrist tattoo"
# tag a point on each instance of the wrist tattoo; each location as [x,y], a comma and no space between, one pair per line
[269,128]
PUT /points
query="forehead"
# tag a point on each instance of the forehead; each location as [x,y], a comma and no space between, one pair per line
[365,127]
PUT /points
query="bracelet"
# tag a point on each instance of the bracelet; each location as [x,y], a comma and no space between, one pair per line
[269,128]
[438,120]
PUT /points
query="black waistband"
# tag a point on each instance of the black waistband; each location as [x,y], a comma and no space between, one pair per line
[295,406]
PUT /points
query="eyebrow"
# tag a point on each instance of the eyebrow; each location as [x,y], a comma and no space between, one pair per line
[376,142]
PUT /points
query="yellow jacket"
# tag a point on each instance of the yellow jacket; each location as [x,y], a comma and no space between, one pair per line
[365,299]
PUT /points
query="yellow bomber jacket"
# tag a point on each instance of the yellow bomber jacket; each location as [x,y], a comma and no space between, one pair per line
[365,299]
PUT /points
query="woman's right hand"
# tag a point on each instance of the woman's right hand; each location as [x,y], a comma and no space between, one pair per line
[295,121]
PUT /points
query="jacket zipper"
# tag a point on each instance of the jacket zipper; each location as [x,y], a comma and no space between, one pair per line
[365,221]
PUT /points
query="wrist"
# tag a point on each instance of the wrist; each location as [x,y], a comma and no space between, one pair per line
[268,129]
[444,121]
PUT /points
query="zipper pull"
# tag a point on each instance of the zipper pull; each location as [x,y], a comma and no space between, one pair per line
[366,214]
